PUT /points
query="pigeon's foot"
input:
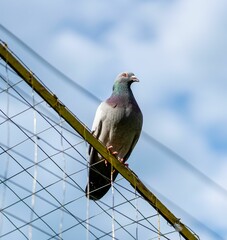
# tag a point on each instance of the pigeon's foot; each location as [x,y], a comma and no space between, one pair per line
[110,149]
[115,153]
[123,161]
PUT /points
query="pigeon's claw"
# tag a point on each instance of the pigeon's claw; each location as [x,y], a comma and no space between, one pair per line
[123,161]
[110,148]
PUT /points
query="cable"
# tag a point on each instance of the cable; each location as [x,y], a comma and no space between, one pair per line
[185,163]
[50,66]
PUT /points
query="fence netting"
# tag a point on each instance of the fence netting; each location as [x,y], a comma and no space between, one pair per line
[43,174]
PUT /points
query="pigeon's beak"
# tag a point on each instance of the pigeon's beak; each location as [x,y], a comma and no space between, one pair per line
[134,78]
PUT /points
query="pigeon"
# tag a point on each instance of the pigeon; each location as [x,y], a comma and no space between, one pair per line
[117,124]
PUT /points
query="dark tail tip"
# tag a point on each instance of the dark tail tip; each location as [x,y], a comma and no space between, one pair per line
[95,193]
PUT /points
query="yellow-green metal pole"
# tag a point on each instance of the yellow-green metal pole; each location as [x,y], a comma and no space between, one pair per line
[75,123]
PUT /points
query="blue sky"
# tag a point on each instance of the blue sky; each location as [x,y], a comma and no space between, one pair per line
[178,50]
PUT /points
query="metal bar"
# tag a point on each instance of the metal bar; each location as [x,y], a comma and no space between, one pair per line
[75,123]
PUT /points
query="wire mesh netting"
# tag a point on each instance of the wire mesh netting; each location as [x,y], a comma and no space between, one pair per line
[44,172]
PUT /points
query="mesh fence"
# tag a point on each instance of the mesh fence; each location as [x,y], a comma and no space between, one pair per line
[44,172]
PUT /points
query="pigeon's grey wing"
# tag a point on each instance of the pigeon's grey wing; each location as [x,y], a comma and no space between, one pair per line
[99,172]
[138,127]
[100,116]
[97,124]
[135,140]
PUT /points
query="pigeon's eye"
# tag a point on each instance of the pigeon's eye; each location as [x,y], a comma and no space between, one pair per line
[124,75]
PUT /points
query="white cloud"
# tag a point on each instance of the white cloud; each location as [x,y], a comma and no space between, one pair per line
[172,47]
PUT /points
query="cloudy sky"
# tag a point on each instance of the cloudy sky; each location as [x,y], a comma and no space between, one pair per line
[178,50]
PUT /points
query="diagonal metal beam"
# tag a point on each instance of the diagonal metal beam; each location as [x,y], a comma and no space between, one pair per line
[76,124]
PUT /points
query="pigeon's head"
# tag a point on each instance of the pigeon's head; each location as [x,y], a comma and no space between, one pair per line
[125,79]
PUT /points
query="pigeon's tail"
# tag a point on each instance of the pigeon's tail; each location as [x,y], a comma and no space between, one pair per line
[99,177]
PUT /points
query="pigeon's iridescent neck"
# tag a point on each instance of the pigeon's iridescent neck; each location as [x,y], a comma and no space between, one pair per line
[121,89]
[121,96]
